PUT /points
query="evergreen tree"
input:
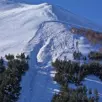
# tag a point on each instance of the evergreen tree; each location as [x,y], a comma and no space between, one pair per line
[2,67]
[96,95]
[11,77]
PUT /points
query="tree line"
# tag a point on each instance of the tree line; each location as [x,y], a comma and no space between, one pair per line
[93,55]
[69,72]
[11,76]
[80,94]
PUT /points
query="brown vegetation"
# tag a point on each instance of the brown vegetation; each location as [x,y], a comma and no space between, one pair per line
[91,35]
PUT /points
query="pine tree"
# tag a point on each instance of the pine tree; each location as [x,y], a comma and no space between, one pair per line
[96,95]
[2,67]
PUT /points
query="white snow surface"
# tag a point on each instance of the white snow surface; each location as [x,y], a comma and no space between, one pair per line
[42,31]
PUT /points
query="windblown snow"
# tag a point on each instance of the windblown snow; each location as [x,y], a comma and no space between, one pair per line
[42,31]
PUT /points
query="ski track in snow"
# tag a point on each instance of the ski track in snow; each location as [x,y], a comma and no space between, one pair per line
[95,81]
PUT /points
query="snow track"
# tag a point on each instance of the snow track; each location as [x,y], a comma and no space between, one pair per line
[94,81]
[46,43]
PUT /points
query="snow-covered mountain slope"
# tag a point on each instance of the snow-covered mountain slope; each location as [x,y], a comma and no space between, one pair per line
[54,41]
[22,22]
[42,31]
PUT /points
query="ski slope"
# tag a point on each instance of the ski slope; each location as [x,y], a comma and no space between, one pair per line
[42,32]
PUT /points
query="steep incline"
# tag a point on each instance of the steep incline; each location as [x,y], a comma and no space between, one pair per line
[47,44]
[21,22]
[52,40]
[42,31]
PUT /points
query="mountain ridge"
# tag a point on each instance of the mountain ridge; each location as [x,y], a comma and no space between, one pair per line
[20,4]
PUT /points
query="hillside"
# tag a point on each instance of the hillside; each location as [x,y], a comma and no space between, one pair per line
[43,32]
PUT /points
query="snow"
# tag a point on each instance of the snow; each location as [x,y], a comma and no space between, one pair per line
[42,31]
[94,83]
